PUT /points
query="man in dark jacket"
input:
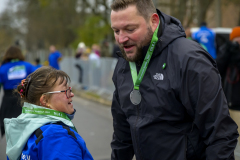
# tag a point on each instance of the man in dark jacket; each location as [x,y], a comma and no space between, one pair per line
[168,103]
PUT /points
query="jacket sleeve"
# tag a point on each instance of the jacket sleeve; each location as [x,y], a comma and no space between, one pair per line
[202,95]
[122,147]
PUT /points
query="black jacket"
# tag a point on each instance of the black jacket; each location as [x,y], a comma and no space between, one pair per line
[228,62]
[183,116]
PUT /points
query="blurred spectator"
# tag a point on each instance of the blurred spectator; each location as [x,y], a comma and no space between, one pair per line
[105,49]
[228,62]
[79,53]
[206,37]
[12,71]
[188,33]
[189,36]
[80,50]
[37,63]
[54,57]
[115,50]
[85,56]
[94,57]
[96,49]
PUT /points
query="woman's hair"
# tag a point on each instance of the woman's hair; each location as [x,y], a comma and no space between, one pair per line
[145,7]
[13,52]
[41,81]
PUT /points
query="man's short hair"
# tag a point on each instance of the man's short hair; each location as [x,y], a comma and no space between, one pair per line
[145,7]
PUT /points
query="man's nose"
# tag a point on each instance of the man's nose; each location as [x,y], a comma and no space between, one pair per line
[123,38]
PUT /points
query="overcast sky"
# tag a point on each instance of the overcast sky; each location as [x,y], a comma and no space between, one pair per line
[2,5]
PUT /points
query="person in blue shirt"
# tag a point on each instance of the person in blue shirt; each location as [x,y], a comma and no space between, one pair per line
[189,36]
[12,71]
[54,57]
[37,63]
[44,130]
[206,37]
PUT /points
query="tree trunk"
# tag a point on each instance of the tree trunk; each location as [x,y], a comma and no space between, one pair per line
[203,6]
[182,10]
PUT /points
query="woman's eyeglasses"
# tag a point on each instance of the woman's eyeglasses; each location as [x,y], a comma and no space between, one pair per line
[67,92]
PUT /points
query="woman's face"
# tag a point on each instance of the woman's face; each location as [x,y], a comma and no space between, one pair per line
[59,101]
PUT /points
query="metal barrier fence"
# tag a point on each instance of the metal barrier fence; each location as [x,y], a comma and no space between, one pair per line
[92,75]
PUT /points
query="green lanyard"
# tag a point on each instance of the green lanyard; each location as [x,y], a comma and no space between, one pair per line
[14,60]
[41,111]
[137,79]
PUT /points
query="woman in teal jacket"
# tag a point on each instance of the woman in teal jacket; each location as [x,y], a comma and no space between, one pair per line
[44,129]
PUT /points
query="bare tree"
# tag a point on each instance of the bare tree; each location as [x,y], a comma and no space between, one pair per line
[187,9]
[203,6]
[9,28]
[59,21]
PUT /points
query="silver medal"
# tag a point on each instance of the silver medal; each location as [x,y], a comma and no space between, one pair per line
[135,97]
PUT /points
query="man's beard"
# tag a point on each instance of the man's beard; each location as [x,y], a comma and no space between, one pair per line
[139,55]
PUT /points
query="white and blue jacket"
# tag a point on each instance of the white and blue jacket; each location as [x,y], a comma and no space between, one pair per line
[41,137]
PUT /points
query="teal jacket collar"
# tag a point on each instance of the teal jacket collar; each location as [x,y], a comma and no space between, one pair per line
[18,130]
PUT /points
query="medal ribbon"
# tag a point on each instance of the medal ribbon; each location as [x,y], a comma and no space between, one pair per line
[137,79]
[41,111]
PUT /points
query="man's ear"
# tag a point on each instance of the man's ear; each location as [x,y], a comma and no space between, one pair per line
[43,100]
[154,21]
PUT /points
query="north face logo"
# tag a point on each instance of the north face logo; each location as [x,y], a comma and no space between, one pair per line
[158,76]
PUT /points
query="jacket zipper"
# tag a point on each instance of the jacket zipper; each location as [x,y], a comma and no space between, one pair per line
[138,148]
[186,141]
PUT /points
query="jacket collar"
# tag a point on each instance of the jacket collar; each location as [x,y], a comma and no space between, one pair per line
[23,126]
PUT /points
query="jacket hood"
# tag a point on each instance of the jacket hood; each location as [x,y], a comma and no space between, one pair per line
[18,130]
[170,29]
